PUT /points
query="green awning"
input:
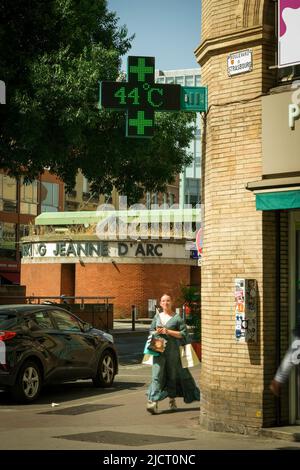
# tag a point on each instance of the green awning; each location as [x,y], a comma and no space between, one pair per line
[270,201]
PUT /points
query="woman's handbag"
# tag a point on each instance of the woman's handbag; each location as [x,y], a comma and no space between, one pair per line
[157,344]
[188,356]
[154,345]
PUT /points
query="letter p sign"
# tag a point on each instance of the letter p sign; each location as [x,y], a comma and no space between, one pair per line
[294,113]
[2,92]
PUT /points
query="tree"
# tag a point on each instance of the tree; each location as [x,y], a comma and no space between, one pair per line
[55,53]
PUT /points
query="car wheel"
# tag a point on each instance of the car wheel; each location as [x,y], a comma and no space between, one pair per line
[106,370]
[28,384]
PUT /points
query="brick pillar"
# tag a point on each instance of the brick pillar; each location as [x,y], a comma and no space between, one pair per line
[235,234]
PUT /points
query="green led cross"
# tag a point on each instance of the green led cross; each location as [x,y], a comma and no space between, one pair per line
[140,123]
[140,97]
[141,70]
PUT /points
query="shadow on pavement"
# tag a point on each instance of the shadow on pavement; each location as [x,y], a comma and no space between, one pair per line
[60,393]
[179,410]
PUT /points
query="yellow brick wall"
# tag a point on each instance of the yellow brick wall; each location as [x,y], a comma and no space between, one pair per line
[238,240]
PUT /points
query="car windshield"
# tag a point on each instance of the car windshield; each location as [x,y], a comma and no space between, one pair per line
[7,320]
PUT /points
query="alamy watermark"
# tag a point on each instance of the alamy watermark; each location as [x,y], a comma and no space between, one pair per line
[141,222]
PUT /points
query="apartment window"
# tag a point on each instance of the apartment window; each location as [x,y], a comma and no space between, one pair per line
[7,240]
[148,200]
[23,230]
[189,80]
[8,194]
[192,191]
[198,80]
[154,198]
[28,197]
[85,185]
[179,80]
[49,197]
[160,80]
[171,199]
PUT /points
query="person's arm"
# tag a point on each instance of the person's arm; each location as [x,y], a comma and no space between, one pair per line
[283,371]
[181,333]
[153,325]
[166,331]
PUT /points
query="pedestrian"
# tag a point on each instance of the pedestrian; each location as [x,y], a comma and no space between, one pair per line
[169,378]
[291,359]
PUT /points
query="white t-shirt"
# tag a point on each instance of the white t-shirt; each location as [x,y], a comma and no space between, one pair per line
[164,318]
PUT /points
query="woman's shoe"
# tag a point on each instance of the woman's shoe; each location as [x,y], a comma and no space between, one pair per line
[152,407]
[172,404]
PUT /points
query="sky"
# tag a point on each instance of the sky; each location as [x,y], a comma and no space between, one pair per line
[168,30]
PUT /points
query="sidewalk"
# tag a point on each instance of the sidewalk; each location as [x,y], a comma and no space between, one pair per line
[114,419]
[125,326]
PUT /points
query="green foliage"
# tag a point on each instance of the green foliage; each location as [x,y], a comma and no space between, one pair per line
[191,299]
[55,54]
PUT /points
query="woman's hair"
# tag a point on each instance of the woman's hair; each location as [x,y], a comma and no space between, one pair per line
[168,295]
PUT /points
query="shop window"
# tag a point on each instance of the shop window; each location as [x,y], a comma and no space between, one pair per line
[49,197]
[7,240]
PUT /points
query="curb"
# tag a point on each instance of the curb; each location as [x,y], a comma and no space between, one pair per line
[284,434]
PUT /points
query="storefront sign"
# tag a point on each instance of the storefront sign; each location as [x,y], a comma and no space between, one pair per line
[62,249]
[239,62]
[281,132]
[289,32]
[294,114]
[105,252]
[142,249]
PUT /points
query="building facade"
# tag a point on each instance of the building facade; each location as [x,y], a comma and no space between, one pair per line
[73,261]
[251,181]
[20,203]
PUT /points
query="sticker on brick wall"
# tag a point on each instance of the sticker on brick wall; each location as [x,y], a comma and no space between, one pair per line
[245,310]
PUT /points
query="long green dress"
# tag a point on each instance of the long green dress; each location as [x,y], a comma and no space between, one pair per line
[169,378]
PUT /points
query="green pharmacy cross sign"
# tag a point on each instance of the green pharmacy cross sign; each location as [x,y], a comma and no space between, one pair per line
[140,97]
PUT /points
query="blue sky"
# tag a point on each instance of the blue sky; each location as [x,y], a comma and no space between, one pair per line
[169,30]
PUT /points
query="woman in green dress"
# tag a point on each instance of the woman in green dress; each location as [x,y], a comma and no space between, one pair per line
[169,378]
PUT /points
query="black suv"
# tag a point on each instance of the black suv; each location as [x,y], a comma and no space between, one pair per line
[44,343]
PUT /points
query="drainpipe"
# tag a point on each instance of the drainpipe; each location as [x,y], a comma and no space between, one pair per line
[278,316]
